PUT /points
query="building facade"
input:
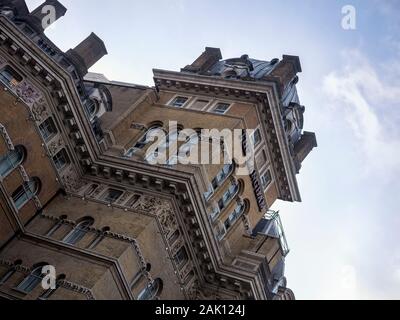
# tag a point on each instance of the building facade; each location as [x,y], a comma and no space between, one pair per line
[79,191]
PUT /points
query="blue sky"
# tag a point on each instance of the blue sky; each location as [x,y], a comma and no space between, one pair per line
[345,235]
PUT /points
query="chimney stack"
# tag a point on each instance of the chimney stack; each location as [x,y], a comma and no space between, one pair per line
[304,146]
[206,60]
[48,13]
[87,53]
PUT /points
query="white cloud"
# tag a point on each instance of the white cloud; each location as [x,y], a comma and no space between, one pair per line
[369,102]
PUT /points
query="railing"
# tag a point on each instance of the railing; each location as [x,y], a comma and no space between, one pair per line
[275,220]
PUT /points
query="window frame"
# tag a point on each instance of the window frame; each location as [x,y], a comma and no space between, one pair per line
[15,76]
[254,136]
[56,159]
[270,179]
[43,128]
[24,190]
[215,107]
[171,103]
[13,159]
[78,232]
[110,200]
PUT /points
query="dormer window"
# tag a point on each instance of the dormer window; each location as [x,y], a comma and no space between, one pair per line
[179,102]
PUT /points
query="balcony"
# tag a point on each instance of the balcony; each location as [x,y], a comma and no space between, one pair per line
[271,226]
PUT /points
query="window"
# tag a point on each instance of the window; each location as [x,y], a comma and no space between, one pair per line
[228,195]
[48,129]
[61,159]
[221,108]
[152,290]
[133,200]
[12,160]
[234,216]
[79,231]
[143,141]
[10,77]
[49,292]
[174,237]
[181,257]
[199,104]
[92,106]
[222,175]
[179,102]
[266,179]
[112,195]
[9,273]
[26,192]
[261,159]
[91,189]
[58,224]
[257,137]
[32,280]
[99,238]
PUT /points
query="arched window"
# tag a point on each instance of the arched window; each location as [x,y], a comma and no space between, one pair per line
[12,160]
[33,279]
[228,195]
[143,141]
[8,274]
[239,210]
[26,192]
[222,175]
[79,231]
[58,224]
[100,236]
[233,217]
[49,292]
[93,107]
[151,291]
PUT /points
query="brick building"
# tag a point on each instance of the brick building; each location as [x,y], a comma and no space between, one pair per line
[78,191]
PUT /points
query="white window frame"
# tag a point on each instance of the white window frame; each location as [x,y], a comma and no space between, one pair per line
[189,98]
[272,178]
[214,105]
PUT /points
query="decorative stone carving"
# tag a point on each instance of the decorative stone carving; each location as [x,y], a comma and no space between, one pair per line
[55,146]
[28,93]
[71,180]
[39,111]
[76,288]
[148,204]
[6,137]
[192,290]
[168,222]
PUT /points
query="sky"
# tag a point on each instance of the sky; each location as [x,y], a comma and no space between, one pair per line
[345,234]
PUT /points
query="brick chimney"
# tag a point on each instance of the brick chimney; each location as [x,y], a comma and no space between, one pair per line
[206,60]
[87,53]
[304,146]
